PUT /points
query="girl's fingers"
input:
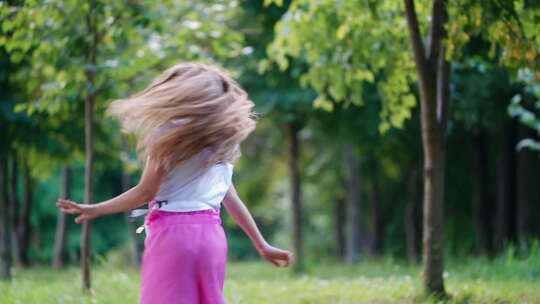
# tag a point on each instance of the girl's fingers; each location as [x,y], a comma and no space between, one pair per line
[80,219]
[285,256]
[287,259]
[273,260]
[282,261]
[61,204]
[83,218]
[66,203]
[280,258]
[69,206]
[68,211]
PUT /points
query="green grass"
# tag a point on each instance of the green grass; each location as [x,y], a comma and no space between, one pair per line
[504,280]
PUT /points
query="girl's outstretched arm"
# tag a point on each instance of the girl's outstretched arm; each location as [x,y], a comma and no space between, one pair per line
[240,213]
[131,199]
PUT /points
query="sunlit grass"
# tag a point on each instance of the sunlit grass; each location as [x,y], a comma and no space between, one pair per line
[503,280]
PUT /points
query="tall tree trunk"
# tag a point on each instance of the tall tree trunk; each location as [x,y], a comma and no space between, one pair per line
[5,246]
[293,128]
[353,241]
[482,200]
[91,21]
[433,219]
[14,211]
[526,183]
[413,217]
[60,239]
[88,192]
[136,249]
[505,217]
[339,233]
[433,71]
[377,241]
[25,224]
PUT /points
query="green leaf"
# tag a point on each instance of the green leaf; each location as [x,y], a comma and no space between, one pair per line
[342,31]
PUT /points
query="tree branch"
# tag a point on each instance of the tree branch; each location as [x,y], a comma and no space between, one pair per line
[416,40]
[443,66]
[443,91]
[437,31]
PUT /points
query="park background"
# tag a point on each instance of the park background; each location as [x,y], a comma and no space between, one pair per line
[391,134]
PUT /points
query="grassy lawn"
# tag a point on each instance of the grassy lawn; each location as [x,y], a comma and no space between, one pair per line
[504,280]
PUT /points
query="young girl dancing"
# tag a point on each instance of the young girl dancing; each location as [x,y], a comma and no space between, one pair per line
[189,123]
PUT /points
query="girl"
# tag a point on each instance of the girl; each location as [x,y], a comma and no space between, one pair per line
[189,123]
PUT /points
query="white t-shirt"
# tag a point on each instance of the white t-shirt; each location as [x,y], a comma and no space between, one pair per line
[190,186]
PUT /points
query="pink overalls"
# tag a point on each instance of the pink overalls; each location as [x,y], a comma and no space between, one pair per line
[185,258]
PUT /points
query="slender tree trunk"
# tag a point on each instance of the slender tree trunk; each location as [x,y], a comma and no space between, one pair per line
[60,239]
[501,222]
[25,218]
[526,184]
[293,129]
[433,220]
[506,190]
[413,217]
[433,71]
[353,241]
[482,199]
[88,190]
[14,212]
[136,250]
[91,20]
[5,247]
[377,241]
[339,233]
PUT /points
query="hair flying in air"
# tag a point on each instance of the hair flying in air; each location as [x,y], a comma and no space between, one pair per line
[216,111]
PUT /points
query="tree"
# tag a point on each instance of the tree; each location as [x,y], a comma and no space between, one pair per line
[434,72]
[60,239]
[511,30]
[75,63]
[279,94]
[528,116]
[353,145]
[347,43]
[23,138]
[349,52]
[5,237]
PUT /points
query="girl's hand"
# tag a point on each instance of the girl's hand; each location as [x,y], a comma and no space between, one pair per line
[87,211]
[276,256]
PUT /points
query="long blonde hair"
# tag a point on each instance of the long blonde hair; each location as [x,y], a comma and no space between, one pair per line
[216,110]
